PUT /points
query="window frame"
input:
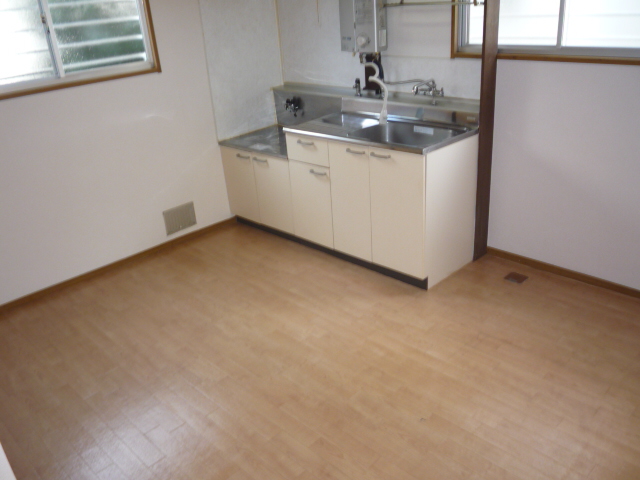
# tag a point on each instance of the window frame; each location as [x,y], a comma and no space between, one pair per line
[557,53]
[102,74]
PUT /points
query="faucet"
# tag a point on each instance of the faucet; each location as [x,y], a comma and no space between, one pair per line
[358,88]
[430,89]
[431,83]
[385,91]
[293,105]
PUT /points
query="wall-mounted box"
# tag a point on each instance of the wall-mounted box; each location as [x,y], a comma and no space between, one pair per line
[363,26]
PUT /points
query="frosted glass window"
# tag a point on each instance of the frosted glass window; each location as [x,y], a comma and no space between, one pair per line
[97,34]
[476,27]
[24,49]
[527,22]
[50,43]
[602,23]
[555,27]
[522,22]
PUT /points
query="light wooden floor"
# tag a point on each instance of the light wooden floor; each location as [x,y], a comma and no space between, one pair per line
[243,356]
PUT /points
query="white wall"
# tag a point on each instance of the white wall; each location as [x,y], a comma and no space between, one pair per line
[5,469]
[86,172]
[419,47]
[566,167]
[243,54]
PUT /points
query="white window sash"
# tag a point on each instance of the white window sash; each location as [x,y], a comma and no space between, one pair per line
[98,72]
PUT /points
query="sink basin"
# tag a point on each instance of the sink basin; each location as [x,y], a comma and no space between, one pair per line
[349,121]
[407,134]
[400,133]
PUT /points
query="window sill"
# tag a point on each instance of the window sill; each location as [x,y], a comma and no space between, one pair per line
[48,85]
[553,58]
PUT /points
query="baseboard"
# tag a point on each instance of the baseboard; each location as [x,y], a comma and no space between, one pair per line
[416,282]
[581,277]
[125,261]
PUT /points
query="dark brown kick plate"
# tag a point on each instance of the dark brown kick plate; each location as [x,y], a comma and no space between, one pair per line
[516,277]
[371,266]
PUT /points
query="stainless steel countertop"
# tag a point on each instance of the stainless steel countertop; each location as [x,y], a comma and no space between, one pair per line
[269,141]
[448,113]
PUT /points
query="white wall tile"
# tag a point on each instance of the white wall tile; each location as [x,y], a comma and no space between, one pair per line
[243,56]
[419,47]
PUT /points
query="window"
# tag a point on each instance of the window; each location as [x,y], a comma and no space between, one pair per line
[562,28]
[48,44]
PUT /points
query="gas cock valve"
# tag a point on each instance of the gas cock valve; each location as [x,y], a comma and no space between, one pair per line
[294,105]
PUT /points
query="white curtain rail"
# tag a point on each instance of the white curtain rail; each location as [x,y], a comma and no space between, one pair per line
[434,2]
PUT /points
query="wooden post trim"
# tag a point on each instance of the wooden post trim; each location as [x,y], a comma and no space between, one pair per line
[487,111]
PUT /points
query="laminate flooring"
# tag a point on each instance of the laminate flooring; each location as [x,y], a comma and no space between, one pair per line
[243,356]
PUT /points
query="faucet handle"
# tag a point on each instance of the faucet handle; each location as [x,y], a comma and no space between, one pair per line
[293,105]
[358,87]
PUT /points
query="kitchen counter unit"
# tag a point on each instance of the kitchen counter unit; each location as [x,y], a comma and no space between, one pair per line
[397,197]
[268,141]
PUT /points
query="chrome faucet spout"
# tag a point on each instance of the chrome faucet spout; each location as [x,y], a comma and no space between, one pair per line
[428,88]
[430,84]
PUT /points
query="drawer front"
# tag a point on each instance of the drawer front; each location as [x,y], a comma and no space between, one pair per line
[307,149]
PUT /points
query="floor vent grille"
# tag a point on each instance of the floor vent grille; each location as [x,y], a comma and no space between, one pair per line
[516,277]
[179,218]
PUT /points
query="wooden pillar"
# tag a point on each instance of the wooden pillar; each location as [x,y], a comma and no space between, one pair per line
[487,110]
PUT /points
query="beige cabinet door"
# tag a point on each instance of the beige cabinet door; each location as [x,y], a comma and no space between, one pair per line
[351,199]
[397,181]
[311,195]
[241,185]
[274,191]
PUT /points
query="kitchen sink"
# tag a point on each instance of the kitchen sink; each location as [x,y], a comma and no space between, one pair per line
[400,133]
[408,134]
[350,121]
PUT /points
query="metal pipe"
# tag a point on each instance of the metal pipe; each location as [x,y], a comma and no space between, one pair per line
[435,2]
[415,80]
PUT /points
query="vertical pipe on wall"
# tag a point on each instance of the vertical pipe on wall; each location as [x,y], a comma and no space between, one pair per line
[487,111]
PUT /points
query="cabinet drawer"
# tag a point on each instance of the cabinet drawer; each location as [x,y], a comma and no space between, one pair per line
[307,149]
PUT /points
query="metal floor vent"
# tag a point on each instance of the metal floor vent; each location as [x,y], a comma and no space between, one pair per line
[179,218]
[515,277]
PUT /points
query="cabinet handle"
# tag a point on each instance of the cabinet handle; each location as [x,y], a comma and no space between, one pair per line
[244,157]
[261,160]
[306,144]
[355,152]
[380,156]
[318,174]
